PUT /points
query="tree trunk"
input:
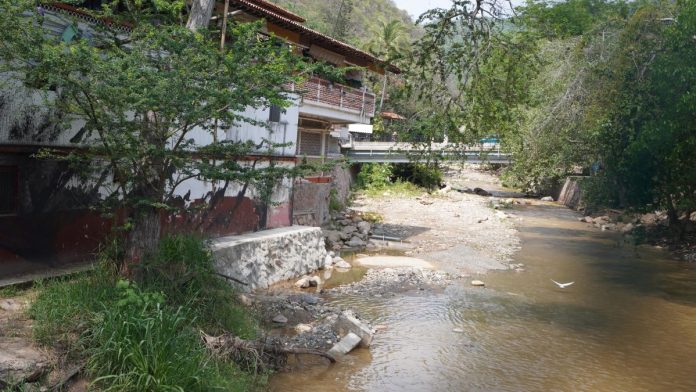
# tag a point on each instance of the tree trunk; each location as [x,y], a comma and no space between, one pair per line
[201,12]
[384,90]
[142,239]
[673,218]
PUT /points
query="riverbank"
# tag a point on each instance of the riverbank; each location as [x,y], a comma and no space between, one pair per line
[522,332]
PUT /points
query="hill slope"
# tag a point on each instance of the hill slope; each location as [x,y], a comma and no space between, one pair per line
[362,17]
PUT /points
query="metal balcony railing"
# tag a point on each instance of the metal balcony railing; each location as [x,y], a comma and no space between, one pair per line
[337,95]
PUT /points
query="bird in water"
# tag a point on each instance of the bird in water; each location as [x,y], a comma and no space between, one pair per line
[562,285]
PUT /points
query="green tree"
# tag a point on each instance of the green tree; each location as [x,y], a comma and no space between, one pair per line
[144,95]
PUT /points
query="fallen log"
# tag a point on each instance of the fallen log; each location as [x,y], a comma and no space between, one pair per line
[256,354]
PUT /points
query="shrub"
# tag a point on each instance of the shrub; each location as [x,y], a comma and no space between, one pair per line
[375,175]
[144,337]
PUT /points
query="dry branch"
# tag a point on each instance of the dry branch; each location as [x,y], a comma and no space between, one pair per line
[256,354]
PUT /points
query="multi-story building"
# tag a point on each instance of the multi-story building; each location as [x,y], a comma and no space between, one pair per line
[44,217]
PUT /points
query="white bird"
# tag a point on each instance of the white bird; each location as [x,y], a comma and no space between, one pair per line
[562,285]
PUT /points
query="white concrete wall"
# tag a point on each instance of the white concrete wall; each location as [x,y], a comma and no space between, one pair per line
[283,132]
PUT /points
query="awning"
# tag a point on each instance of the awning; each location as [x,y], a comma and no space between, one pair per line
[360,128]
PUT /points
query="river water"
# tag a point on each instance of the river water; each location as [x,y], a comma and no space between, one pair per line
[627,324]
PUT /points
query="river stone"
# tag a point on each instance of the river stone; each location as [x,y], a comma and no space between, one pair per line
[340,263]
[355,242]
[20,362]
[302,328]
[328,261]
[477,283]
[364,227]
[332,235]
[303,283]
[10,305]
[314,281]
[280,319]
[346,345]
[349,229]
[547,198]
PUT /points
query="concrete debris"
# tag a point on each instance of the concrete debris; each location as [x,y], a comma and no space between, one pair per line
[346,345]
[347,322]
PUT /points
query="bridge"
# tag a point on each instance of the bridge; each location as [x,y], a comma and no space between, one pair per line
[391,152]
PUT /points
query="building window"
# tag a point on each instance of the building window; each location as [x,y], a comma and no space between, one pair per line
[274,115]
[9,189]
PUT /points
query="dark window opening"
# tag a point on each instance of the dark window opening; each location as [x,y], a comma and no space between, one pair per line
[9,189]
[274,116]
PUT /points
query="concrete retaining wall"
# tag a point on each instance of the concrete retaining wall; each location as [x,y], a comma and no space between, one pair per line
[571,193]
[266,257]
[311,203]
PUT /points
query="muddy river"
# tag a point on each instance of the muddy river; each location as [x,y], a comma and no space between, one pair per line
[627,324]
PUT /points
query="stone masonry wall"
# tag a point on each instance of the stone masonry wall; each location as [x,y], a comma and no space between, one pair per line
[266,257]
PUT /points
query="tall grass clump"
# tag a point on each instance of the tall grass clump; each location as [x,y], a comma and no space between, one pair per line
[144,335]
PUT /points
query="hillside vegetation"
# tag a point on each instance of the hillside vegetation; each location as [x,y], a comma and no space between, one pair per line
[350,20]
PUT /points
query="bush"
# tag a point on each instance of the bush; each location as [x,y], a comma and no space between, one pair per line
[423,175]
[144,337]
[375,175]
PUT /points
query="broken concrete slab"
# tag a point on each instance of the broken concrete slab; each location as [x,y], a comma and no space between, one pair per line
[346,345]
[347,322]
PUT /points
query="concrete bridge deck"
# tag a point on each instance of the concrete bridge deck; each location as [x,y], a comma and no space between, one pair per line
[391,152]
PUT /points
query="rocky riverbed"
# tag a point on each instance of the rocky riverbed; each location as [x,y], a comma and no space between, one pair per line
[441,237]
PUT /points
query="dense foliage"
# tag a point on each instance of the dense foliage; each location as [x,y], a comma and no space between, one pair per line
[613,100]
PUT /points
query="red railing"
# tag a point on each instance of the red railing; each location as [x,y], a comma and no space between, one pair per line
[337,95]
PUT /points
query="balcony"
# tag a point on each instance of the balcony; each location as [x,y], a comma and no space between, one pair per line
[327,99]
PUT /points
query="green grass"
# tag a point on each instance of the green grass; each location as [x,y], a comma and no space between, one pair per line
[145,336]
